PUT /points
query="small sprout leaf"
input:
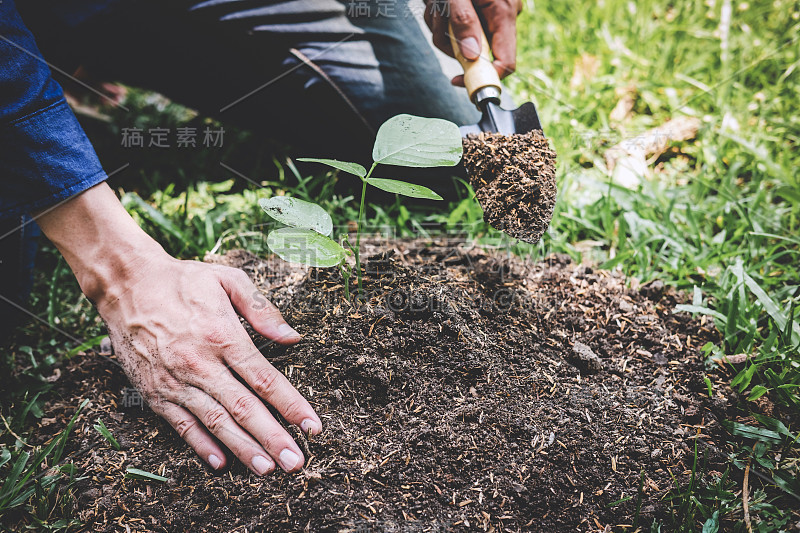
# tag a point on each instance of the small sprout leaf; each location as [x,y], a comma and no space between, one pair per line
[410,141]
[5,456]
[757,392]
[91,343]
[751,432]
[712,524]
[701,310]
[297,213]
[135,473]
[406,189]
[101,428]
[304,246]
[351,168]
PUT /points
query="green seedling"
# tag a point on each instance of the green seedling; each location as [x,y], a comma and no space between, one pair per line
[38,475]
[709,386]
[403,140]
[101,428]
[143,475]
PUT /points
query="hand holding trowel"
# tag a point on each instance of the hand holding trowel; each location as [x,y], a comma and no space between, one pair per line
[508,160]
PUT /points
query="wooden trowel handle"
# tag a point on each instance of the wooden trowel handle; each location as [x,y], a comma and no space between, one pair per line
[478,73]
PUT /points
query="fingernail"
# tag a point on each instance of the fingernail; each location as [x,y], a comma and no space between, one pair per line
[289,459]
[470,48]
[261,465]
[309,425]
[214,461]
[285,330]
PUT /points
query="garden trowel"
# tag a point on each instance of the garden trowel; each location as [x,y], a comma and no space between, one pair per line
[507,158]
[484,89]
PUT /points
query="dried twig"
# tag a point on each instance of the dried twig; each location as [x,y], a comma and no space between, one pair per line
[5,423]
[745,490]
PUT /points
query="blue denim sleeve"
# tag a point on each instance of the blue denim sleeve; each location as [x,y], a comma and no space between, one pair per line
[45,156]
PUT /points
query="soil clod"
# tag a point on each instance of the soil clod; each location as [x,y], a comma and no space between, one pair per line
[514,177]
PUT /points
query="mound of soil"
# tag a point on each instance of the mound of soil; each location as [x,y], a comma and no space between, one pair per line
[514,177]
[472,391]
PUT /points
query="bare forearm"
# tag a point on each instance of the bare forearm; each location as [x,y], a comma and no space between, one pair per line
[101,242]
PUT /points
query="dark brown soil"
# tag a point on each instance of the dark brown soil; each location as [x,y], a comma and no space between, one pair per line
[514,177]
[472,392]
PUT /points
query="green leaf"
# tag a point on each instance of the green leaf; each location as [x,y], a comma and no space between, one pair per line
[351,168]
[410,141]
[743,378]
[757,392]
[11,486]
[786,481]
[105,432]
[712,524]
[406,189]
[701,310]
[751,432]
[21,498]
[5,456]
[776,425]
[304,246]
[64,435]
[771,307]
[135,473]
[158,218]
[778,382]
[297,213]
[731,320]
[623,500]
[709,386]
[91,343]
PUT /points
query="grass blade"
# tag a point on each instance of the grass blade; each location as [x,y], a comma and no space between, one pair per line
[751,432]
[159,219]
[13,476]
[771,307]
[104,431]
[135,473]
[82,347]
[688,308]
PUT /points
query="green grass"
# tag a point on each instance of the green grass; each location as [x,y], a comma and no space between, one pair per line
[37,484]
[719,218]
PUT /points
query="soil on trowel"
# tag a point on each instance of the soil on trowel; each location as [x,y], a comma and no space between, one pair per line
[471,391]
[514,178]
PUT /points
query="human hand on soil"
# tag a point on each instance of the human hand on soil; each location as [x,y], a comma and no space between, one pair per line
[176,332]
[500,17]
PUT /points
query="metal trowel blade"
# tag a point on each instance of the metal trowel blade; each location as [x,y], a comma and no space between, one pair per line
[498,120]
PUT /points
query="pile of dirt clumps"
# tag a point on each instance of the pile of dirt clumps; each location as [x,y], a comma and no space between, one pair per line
[514,177]
[472,391]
